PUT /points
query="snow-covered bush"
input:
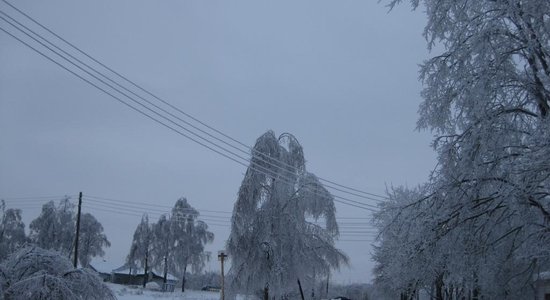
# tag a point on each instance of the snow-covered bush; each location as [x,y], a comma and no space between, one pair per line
[35,273]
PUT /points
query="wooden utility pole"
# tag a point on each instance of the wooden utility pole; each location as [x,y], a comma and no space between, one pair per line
[75,260]
[301,291]
[326,291]
[222,256]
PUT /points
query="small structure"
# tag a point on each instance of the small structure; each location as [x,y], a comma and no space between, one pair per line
[542,286]
[127,276]
[103,269]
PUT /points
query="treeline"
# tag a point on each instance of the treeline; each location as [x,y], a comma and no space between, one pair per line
[172,244]
[53,229]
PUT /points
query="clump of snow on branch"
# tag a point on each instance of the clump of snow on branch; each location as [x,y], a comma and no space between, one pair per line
[35,273]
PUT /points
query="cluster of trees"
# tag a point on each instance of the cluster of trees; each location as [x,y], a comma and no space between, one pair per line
[53,229]
[171,244]
[276,246]
[480,227]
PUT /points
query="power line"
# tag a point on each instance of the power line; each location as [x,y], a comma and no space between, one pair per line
[252,166]
[354,190]
[151,205]
[143,205]
[143,113]
[157,210]
[35,197]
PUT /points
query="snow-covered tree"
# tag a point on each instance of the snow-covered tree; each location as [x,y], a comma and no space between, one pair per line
[140,250]
[12,231]
[486,97]
[91,240]
[163,244]
[54,228]
[275,238]
[190,235]
[35,273]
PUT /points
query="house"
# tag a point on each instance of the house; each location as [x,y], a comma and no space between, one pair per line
[103,269]
[127,276]
[542,286]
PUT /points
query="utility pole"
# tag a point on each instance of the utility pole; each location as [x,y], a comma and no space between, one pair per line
[222,256]
[326,291]
[77,230]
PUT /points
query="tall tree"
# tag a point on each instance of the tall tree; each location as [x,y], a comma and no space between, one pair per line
[92,239]
[163,245]
[54,228]
[486,98]
[140,250]
[12,231]
[190,235]
[275,239]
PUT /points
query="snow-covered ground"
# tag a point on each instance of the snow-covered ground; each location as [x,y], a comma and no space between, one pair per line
[123,292]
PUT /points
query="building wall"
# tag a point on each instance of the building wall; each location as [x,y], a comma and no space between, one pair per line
[543,289]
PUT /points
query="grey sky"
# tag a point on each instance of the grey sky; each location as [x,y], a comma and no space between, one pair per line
[339,75]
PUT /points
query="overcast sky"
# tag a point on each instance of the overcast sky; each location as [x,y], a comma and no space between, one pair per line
[342,76]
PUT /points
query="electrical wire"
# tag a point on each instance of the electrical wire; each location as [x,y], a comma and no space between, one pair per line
[190,116]
[252,166]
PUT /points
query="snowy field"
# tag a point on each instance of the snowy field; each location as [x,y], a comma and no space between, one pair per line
[123,292]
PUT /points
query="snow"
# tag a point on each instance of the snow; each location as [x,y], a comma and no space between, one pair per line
[124,292]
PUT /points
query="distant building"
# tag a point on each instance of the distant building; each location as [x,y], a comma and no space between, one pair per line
[103,268]
[542,286]
[125,275]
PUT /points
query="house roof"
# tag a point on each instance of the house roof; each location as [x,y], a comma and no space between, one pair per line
[101,265]
[543,276]
[124,269]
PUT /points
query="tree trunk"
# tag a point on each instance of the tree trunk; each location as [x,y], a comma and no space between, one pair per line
[439,288]
[183,278]
[165,269]
[145,270]
[475,292]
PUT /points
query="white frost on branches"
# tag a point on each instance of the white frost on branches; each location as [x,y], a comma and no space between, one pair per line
[172,244]
[483,219]
[273,242]
[54,228]
[12,231]
[35,273]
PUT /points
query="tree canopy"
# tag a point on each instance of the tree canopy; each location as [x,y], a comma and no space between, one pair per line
[283,224]
[35,273]
[480,225]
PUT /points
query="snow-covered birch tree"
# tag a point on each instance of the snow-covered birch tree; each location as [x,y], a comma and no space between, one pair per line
[486,98]
[12,231]
[35,273]
[275,239]
[92,239]
[54,228]
[190,235]
[163,244]
[140,250]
